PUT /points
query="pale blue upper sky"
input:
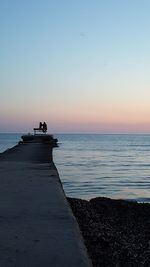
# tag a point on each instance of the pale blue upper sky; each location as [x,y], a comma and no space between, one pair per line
[82,66]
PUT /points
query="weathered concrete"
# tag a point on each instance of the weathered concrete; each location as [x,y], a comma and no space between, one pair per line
[37,227]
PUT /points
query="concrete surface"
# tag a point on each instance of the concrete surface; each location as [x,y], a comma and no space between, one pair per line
[37,227]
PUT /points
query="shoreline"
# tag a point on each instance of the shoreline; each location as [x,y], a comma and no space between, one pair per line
[87,177]
[115,232]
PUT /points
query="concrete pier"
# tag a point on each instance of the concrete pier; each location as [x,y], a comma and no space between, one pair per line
[37,227]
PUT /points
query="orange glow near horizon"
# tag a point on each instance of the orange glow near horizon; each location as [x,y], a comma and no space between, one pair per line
[84,124]
[82,118]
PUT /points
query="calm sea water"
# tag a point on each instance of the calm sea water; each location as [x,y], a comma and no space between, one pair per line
[90,165]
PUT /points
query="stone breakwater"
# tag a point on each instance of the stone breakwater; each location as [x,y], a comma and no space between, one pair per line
[37,227]
[116,232]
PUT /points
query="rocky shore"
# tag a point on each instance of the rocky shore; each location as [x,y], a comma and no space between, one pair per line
[116,232]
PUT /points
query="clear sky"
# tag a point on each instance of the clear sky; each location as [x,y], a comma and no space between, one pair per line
[80,65]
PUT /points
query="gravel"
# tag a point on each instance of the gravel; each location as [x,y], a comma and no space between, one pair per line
[116,232]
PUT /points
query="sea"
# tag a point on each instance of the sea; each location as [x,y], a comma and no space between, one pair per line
[100,165]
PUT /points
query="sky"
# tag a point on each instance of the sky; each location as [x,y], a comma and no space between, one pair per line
[80,65]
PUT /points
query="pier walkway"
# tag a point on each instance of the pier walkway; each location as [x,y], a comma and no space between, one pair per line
[37,228]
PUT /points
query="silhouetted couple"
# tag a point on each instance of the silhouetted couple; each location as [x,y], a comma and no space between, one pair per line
[43,126]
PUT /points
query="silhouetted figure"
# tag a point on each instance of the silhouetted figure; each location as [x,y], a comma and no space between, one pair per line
[40,125]
[44,127]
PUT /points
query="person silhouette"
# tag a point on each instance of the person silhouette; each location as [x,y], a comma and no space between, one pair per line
[40,125]
[44,127]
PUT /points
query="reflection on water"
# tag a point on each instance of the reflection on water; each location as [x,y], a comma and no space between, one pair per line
[116,166]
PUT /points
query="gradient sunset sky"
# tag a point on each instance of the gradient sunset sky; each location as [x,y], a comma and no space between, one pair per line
[82,66]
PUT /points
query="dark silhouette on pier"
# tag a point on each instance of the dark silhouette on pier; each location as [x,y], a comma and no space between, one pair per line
[42,127]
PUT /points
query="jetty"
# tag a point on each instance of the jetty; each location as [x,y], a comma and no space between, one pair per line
[37,227]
